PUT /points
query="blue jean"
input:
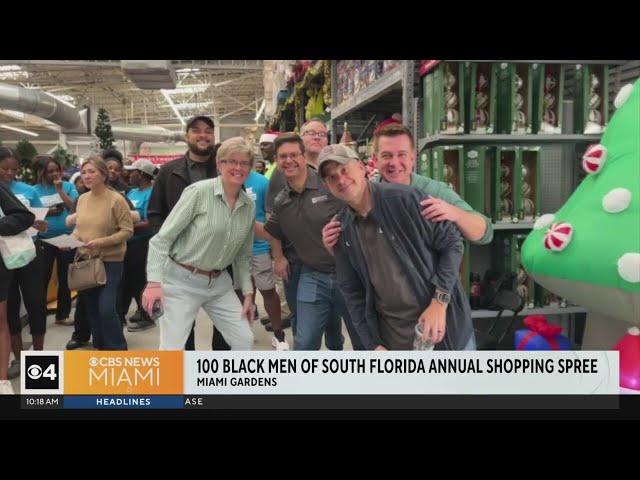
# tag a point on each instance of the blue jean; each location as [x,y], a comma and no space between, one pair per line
[291,292]
[101,303]
[320,307]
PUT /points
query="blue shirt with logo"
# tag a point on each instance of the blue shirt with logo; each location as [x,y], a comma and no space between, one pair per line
[50,197]
[140,200]
[26,194]
[256,186]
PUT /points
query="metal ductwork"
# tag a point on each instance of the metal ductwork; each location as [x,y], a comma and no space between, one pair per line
[145,133]
[74,121]
[42,105]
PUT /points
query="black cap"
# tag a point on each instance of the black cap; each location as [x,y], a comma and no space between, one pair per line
[206,120]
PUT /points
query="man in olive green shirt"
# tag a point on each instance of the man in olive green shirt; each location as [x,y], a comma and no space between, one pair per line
[395,152]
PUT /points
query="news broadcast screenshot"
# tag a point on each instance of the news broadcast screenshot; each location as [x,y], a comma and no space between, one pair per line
[324,237]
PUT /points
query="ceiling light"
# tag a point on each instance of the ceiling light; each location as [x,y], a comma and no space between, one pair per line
[26,132]
[188,89]
[188,106]
[187,70]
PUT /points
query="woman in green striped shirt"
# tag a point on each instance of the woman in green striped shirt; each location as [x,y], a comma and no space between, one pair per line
[210,228]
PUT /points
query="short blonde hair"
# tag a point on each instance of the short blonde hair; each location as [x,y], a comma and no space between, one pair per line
[234,145]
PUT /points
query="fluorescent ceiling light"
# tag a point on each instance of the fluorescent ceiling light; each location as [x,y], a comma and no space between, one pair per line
[260,110]
[188,106]
[187,70]
[188,89]
[10,68]
[26,132]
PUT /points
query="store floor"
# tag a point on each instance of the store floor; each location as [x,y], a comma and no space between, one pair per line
[58,335]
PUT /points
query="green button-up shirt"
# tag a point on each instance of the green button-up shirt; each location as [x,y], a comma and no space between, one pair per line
[201,231]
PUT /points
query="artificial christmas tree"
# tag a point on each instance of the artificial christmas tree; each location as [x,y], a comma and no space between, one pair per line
[103,130]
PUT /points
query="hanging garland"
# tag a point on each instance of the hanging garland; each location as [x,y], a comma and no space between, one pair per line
[326,88]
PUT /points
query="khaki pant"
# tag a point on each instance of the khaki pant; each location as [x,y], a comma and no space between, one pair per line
[284,308]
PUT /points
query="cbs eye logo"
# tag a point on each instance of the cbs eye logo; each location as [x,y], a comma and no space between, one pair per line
[42,372]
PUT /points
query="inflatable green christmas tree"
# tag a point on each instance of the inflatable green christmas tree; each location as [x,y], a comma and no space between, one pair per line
[589,251]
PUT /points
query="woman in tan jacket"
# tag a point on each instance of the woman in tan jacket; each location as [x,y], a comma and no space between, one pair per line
[104,224]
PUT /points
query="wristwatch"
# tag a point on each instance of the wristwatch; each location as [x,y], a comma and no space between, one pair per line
[441,297]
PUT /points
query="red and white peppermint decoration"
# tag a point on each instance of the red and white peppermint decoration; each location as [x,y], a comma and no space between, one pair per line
[594,158]
[558,236]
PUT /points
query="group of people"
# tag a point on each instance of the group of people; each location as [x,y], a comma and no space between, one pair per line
[381,257]
[321,242]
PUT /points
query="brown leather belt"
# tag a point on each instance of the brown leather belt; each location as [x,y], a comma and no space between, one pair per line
[211,274]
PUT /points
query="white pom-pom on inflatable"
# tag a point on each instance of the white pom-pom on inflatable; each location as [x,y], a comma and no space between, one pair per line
[623,95]
[544,221]
[616,200]
[629,267]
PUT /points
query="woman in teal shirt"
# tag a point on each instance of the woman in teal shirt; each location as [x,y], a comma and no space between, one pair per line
[58,196]
[28,279]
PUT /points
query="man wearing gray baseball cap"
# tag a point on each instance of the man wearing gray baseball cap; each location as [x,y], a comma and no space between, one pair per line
[394,268]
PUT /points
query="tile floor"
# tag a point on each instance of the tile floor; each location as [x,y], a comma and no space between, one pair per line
[58,335]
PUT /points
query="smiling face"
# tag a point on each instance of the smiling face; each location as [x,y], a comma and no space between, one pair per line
[200,138]
[291,161]
[346,182]
[52,172]
[235,169]
[395,158]
[8,169]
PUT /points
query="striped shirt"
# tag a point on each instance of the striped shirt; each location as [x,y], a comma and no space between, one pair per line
[201,231]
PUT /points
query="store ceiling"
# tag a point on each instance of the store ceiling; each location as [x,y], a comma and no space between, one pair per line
[231,90]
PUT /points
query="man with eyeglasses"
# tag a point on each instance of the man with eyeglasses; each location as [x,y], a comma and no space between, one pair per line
[174,176]
[315,138]
[300,211]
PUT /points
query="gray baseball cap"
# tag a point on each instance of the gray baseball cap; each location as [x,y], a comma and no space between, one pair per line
[336,153]
[145,166]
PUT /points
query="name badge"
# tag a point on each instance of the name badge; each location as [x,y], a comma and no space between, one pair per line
[50,200]
[25,201]
[321,198]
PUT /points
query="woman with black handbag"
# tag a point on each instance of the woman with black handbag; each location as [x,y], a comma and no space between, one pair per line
[14,220]
[104,225]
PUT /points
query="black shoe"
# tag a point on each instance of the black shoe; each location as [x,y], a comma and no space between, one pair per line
[286,323]
[73,344]
[136,317]
[265,320]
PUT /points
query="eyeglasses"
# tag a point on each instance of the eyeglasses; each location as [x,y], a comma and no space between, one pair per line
[311,133]
[235,164]
[292,156]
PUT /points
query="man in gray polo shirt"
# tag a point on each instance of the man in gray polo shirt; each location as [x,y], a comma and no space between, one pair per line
[299,213]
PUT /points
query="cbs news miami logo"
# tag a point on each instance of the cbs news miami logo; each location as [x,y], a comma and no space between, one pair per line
[102,373]
[123,373]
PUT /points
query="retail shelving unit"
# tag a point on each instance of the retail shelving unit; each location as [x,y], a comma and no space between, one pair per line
[559,155]
[392,93]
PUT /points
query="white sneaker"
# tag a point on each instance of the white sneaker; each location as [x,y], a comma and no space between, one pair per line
[279,346]
[5,387]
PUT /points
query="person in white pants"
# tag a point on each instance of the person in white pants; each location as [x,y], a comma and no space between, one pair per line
[210,228]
